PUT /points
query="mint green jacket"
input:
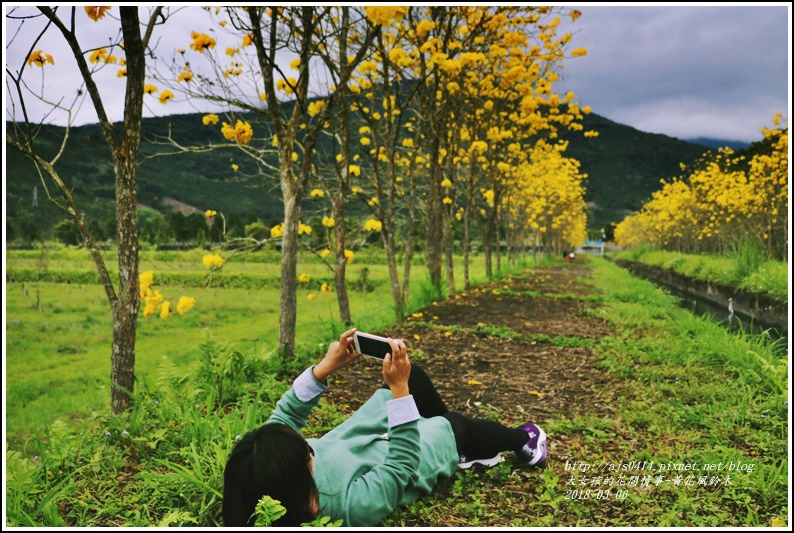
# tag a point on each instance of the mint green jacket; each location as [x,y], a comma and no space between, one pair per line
[385,454]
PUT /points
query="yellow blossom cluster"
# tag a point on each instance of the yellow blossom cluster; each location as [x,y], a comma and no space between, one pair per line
[39,58]
[212,261]
[165,96]
[101,54]
[385,15]
[315,108]
[96,12]
[153,300]
[185,75]
[277,231]
[201,42]
[373,225]
[241,133]
[723,199]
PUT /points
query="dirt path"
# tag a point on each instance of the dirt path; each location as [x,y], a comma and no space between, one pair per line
[518,370]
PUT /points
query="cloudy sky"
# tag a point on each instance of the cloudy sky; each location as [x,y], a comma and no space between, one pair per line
[717,71]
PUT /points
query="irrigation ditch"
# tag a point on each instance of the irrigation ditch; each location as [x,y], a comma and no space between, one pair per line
[733,307]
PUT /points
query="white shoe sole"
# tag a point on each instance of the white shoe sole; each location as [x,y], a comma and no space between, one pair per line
[485,462]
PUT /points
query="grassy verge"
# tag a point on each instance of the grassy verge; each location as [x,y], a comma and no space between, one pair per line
[686,392]
[746,268]
[59,335]
[698,436]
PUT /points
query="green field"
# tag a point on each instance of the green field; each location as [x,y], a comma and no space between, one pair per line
[58,335]
[680,389]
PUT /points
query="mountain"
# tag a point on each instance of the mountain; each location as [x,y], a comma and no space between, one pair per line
[719,143]
[624,167]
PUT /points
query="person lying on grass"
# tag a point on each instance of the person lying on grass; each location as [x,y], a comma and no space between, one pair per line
[392,450]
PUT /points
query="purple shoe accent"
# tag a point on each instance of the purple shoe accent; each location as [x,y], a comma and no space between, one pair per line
[534,451]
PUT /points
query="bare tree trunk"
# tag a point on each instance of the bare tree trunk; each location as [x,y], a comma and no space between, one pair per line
[450,271]
[409,237]
[340,266]
[289,260]
[498,237]
[487,233]
[394,276]
[125,313]
[466,249]
[125,310]
[434,215]
[470,211]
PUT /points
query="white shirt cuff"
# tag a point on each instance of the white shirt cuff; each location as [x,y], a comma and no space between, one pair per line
[306,386]
[402,410]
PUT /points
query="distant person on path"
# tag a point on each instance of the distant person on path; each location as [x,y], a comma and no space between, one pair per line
[392,450]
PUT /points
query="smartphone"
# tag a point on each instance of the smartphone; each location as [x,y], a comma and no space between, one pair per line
[371,345]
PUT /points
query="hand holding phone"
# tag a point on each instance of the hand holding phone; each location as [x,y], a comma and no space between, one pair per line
[371,345]
[397,369]
[338,355]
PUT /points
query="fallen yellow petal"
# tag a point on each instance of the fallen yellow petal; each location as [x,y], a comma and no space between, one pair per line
[474,382]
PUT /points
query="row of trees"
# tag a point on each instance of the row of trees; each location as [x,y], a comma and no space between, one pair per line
[429,113]
[720,202]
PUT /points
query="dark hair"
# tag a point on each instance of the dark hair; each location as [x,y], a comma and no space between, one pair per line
[272,460]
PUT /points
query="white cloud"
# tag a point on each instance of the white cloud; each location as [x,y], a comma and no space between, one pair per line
[684,71]
[679,70]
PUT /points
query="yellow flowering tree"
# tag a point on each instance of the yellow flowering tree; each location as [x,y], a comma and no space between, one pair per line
[389,138]
[124,145]
[337,171]
[722,200]
[545,200]
[280,139]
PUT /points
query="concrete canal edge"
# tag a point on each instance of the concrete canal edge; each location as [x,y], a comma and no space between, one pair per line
[766,309]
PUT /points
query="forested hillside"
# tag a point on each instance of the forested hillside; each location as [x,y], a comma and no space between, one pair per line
[624,167]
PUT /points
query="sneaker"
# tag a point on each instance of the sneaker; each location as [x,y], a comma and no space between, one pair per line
[465,463]
[534,451]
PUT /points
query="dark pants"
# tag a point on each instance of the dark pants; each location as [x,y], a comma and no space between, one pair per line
[475,438]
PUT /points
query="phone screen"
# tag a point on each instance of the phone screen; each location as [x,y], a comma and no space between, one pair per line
[373,347]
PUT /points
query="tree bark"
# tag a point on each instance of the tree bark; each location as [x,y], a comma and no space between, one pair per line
[340,265]
[434,215]
[289,253]
[409,235]
[125,312]
[448,251]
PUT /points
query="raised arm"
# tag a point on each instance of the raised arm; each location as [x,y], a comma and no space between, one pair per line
[297,403]
[375,494]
